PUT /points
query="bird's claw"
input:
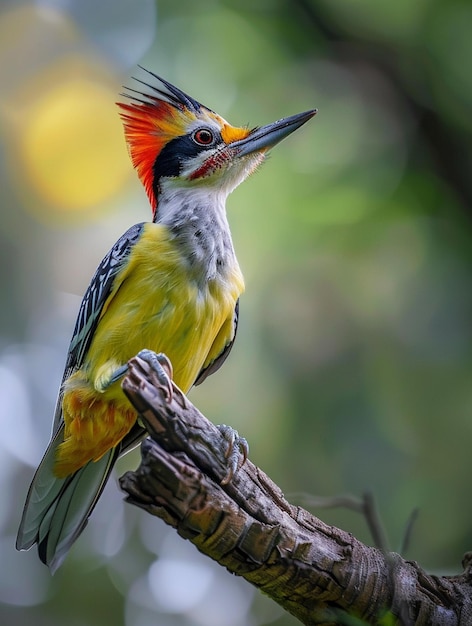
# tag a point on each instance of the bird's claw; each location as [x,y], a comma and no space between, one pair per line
[236,453]
[161,367]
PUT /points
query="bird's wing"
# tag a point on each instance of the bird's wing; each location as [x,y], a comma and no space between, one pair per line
[215,365]
[57,509]
[92,305]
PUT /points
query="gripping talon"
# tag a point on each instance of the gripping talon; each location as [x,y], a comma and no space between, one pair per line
[180,396]
[162,368]
[236,453]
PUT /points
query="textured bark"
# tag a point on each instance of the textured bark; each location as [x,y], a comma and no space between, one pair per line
[319,573]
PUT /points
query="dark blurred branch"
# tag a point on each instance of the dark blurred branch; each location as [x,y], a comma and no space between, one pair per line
[319,573]
[366,506]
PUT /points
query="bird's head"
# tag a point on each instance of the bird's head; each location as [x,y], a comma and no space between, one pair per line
[175,140]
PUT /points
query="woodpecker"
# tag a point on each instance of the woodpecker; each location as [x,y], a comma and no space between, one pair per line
[170,286]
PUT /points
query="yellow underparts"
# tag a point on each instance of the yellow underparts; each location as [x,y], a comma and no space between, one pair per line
[157,303]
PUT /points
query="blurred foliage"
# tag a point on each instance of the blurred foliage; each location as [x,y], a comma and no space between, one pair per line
[352,365]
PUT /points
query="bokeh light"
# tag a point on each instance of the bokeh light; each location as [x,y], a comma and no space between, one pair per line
[71,145]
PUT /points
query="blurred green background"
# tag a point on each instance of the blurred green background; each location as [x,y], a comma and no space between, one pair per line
[352,367]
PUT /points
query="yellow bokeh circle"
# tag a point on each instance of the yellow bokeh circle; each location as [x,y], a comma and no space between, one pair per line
[72,145]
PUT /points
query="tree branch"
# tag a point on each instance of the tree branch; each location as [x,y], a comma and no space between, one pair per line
[319,573]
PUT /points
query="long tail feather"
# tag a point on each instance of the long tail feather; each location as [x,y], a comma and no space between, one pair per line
[57,509]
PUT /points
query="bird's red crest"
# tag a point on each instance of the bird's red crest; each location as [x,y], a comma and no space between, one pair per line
[145,135]
[150,121]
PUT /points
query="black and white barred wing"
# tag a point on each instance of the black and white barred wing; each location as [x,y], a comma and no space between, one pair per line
[92,305]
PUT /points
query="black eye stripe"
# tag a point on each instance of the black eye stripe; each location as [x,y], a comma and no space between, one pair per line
[170,159]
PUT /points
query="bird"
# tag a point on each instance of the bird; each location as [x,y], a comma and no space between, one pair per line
[170,286]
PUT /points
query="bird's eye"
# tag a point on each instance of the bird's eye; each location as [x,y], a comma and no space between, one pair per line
[203,136]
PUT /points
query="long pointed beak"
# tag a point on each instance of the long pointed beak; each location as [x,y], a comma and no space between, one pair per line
[266,137]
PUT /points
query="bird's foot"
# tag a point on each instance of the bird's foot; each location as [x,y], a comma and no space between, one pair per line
[236,453]
[160,366]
